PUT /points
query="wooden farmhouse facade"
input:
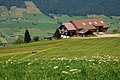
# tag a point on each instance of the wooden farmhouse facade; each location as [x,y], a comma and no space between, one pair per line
[83,27]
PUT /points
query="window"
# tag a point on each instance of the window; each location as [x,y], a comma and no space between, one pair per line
[90,23]
[101,21]
[95,22]
[84,24]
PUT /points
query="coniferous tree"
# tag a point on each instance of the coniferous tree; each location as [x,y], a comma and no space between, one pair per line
[57,34]
[27,38]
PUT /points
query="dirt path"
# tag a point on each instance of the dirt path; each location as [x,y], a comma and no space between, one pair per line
[100,36]
[108,35]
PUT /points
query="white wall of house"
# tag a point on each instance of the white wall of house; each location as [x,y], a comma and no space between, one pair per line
[63,36]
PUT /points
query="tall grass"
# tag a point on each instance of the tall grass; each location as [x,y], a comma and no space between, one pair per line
[96,68]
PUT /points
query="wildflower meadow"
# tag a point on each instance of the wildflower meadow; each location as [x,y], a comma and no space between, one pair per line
[66,59]
[94,68]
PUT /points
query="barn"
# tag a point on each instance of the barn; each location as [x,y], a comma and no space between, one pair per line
[83,27]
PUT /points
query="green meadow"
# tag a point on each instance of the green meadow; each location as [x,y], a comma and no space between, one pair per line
[66,59]
[60,69]
[69,48]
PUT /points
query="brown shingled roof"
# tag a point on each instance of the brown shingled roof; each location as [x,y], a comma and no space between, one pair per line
[89,23]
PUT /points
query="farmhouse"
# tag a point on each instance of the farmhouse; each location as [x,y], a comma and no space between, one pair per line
[83,27]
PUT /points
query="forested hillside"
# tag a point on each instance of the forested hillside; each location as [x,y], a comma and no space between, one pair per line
[71,7]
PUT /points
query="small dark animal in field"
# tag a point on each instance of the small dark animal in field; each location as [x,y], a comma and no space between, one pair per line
[34,52]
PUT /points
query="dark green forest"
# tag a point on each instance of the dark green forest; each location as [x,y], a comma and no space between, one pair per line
[71,7]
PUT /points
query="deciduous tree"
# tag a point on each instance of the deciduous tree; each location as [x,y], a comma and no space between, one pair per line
[36,38]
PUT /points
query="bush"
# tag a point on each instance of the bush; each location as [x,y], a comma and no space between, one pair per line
[115,31]
[36,38]
[19,41]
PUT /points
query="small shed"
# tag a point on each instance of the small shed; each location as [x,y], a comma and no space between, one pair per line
[48,38]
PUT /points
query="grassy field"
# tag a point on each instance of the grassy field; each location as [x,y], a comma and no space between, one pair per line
[66,59]
[69,48]
[41,17]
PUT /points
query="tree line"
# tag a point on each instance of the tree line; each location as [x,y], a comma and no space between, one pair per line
[27,37]
[71,7]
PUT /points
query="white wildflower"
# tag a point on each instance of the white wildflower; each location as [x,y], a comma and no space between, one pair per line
[29,63]
[73,70]
[90,60]
[79,70]
[65,72]
[99,62]
[55,67]
[91,66]
[116,60]
[12,57]
[9,59]
[11,62]
[75,58]
[93,63]
[6,62]
[67,66]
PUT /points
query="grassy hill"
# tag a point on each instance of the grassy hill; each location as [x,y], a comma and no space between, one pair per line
[38,25]
[66,59]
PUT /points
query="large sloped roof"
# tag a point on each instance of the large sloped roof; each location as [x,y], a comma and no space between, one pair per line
[89,23]
[69,26]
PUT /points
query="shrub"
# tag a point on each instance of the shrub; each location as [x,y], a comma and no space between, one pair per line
[115,30]
[36,38]
[19,40]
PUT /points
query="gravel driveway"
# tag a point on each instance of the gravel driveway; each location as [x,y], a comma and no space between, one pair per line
[109,35]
